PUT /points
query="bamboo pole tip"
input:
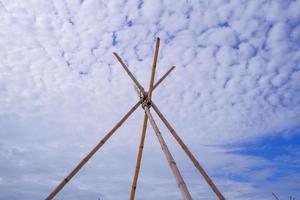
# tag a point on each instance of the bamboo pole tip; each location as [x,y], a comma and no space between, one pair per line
[158,39]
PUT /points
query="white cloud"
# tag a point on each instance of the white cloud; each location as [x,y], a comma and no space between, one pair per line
[236,80]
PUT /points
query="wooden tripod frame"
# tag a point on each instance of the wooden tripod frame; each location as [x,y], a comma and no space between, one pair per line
[146,103]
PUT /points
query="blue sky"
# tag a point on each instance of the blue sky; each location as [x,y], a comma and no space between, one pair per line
[233,97]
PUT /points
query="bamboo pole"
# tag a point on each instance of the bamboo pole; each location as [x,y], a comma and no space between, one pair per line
[142,140]
[129,72]
[153,69]
[141,147]
[189,154]
[180,182]
[140,152]
[92,152]
[163,77]
[139,158]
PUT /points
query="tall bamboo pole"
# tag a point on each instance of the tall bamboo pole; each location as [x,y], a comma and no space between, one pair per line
[139,158]
[153,69]
[180,182]
[92,152]
[189,154]
[141,147]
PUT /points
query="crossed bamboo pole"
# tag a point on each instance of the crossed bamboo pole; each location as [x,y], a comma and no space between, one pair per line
[62,184]
[147,103]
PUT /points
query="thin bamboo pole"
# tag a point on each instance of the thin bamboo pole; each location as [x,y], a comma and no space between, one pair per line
[163,77]
[92,152]
[180,182]
[153,69]
[129,72]
[189,154]
[139,158]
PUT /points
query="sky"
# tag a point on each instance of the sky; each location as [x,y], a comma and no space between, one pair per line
[234,97]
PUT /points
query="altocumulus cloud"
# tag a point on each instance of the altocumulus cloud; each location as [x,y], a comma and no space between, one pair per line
[237,81]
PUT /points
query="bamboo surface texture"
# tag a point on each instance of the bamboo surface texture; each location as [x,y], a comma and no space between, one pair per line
[153,69]
[189,154]
[139,158]
[92,152]
[180,182]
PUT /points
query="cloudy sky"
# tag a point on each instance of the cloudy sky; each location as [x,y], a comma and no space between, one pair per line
[234,96]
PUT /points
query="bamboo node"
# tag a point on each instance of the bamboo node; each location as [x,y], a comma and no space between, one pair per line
[181,183]
[172,163]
